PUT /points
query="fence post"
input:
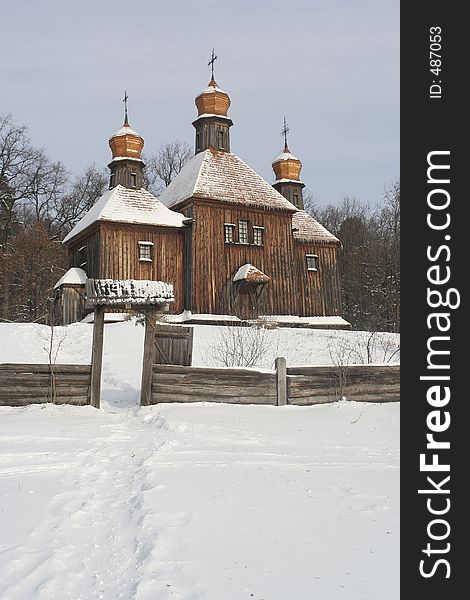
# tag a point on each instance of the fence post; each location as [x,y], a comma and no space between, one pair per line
[281,380]
[149,340]
[97,355]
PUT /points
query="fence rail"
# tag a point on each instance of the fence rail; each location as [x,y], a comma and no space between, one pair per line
[23,384]
[292,385]
[171,383]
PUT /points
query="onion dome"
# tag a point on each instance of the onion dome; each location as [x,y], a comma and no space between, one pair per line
[126,143]
[286,166]
[213,100]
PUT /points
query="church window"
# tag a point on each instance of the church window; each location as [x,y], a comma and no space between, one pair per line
[133,180]
[296,200]
[229,229]
[198,142]
[145,251]
[111,181]
[221,139]
[243,232]
[312,264]
[82,257]
[258,235]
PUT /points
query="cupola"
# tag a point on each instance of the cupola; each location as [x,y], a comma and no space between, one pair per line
[287,168]
[126,165]
[212,124]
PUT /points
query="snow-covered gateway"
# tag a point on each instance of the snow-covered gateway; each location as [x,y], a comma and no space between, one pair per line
[216,221]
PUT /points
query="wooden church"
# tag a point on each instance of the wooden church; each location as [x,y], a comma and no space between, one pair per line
[227,241]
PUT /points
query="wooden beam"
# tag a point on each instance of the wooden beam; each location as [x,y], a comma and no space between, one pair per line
[149,340]
[97,356]
[281,380]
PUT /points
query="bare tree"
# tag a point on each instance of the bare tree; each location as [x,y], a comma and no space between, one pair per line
[242,347]
[83,193]
[17,161]
[166,164]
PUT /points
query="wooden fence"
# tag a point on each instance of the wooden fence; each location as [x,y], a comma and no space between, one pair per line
[22,384]
[279,386]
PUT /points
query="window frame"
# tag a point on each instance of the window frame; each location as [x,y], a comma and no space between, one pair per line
[229,227]
[258,230]
[133,180]
[82,256]
[148,246]
[221,139]
[244,230]
[315,262]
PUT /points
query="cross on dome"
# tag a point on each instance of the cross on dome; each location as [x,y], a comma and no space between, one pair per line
[211,62]
[285,130]
[126,120]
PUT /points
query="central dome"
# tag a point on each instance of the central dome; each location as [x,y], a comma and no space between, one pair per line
[212,100]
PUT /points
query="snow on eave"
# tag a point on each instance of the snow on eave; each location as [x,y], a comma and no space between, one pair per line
[207,115]
[74,276]
[288,181]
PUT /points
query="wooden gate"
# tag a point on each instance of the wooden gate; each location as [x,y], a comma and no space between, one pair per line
[173,345]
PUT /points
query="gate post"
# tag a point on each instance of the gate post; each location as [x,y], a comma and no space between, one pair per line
[146,386]
[97,356]
[281,380]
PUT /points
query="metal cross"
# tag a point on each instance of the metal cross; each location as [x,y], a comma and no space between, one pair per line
[284,132]
[125,103]
[212,61]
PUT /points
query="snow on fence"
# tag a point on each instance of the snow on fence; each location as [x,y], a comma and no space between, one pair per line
[23,384]
[283,385]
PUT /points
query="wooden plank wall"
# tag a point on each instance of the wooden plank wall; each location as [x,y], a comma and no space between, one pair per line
[113,253]
[172,383]
[319,291]
[215,263]
[22,384]
[293,290]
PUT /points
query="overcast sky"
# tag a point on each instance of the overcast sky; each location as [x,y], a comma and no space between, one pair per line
[330,66]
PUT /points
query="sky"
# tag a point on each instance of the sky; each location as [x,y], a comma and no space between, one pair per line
[331,67]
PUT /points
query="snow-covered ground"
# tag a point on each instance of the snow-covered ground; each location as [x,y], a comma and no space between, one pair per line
[195,502]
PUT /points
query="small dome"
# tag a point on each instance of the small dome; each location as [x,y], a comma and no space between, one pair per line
[287,166]
[213,100]
[126,143]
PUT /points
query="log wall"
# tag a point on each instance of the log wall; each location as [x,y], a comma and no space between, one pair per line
[22,384]
[295,385]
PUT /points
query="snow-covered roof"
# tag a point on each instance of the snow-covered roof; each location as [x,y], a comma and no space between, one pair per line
[285,155]
[133,291]
[125,131]
[211,89]
[124,205]
[250,274]
[213,115]
[74,276]
[310,230]
[222,176]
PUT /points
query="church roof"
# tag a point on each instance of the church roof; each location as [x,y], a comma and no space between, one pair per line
[222,176]
[125,205]
[74,276]
[310,230]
